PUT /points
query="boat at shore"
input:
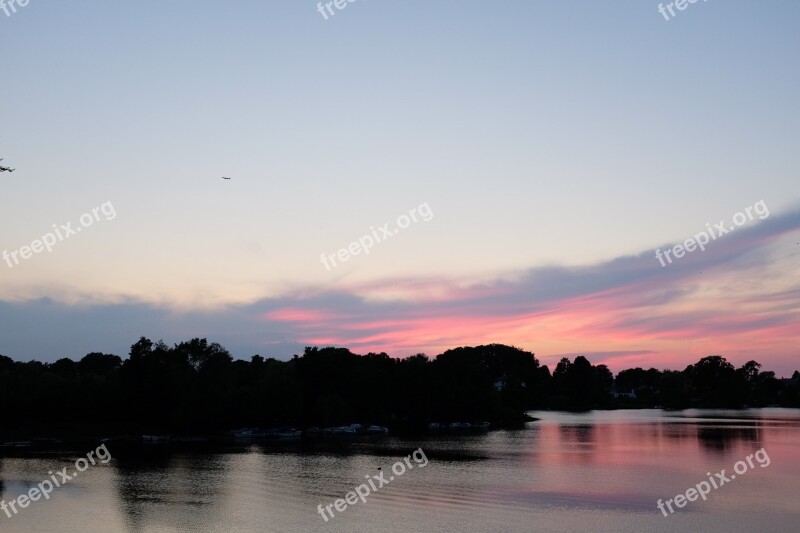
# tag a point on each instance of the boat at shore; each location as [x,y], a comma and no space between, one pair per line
[438,427]
[355,429]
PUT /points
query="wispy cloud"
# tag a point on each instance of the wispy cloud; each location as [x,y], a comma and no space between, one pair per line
[739,297]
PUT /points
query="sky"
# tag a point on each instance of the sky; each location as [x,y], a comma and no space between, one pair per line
[527,159]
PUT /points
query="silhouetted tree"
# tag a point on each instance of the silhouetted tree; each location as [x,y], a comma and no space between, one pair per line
[714,381]
[197,387]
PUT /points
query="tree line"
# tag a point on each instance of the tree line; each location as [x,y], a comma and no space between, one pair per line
[197,388]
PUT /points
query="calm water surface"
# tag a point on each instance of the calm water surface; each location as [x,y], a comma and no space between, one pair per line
[596,471]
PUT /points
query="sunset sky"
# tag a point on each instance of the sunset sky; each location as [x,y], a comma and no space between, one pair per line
[556,144]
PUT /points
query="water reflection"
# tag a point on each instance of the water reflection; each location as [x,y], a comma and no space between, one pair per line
[159,488]
[598,471]
[720,437]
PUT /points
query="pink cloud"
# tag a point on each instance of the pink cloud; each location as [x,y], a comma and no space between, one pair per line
[730,300]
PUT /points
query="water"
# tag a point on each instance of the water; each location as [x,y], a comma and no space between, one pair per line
[597,471]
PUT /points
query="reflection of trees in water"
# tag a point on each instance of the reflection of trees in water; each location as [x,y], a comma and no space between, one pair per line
[679,431]
[582,435]
[717,435]
[722,436]
[577,443]
[158,488]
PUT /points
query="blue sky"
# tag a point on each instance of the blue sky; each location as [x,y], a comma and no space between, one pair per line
[542,134]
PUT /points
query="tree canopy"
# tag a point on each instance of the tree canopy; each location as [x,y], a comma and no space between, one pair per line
[197,387]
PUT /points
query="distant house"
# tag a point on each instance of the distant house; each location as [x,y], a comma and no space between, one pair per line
[502,384]
[629,395]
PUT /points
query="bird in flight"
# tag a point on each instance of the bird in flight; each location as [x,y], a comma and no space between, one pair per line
[5,169]
[223,177]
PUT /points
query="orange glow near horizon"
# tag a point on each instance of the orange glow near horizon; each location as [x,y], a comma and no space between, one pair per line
[633,324]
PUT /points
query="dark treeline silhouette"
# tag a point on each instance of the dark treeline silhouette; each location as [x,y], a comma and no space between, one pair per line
[197,388]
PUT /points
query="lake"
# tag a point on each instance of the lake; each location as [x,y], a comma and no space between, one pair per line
[594,471]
